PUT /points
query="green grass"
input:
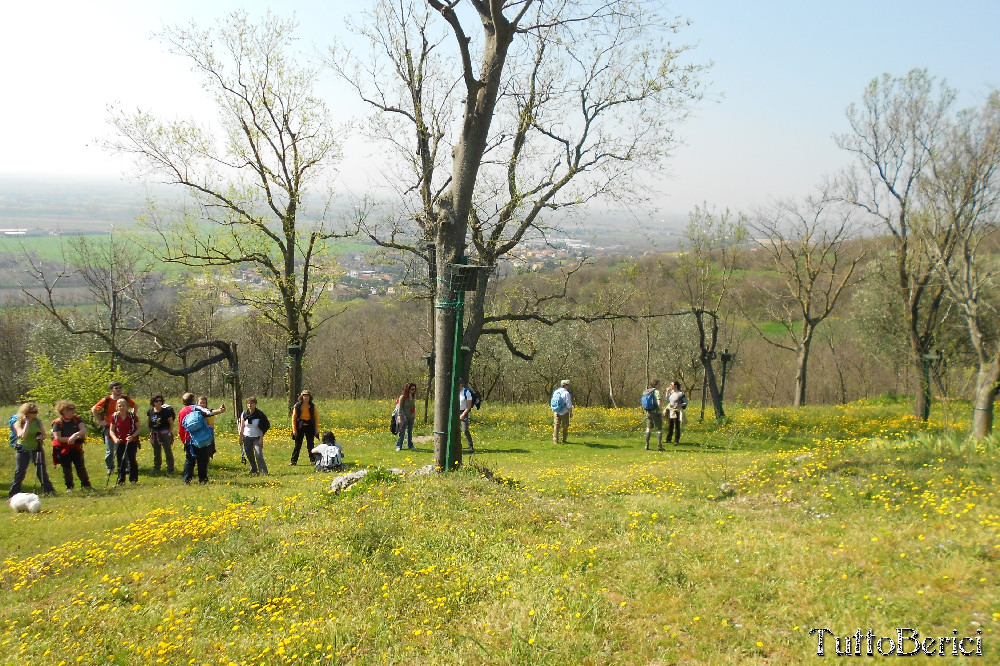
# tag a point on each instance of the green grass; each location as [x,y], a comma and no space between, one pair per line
[727,549]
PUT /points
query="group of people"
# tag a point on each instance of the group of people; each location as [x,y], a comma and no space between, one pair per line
[404,413]
[115,415]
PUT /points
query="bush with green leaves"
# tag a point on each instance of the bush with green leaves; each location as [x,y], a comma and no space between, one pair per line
[84,381]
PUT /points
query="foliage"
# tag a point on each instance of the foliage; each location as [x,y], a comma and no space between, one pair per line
[83,381]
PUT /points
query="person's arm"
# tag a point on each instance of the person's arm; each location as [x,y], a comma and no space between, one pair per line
[81,431]
[98,415]
[295,420]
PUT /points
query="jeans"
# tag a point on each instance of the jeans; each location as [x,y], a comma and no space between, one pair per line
[465,429]
[162,440]
[306,429]
[70,460]
[126,454]
[109,451]
[193,455]
[22,460]
[407,429]
[253,447]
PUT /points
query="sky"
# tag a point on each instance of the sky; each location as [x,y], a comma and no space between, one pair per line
[783,72]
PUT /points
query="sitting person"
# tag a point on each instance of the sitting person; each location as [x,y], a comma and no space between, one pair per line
[329,454]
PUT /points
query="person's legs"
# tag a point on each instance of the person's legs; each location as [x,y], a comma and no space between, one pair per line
[81,470]
[258,452]
[42,472]
[22,459]
[131,452]
[166,440]
[298,446]
[109,451]
[66,462]
[202,455]
[408,423]
[563,424]
[311,443]
[120,451]
[555,428]
[248,452]
[465,429]
[154,441]
[400,435]
[188,472]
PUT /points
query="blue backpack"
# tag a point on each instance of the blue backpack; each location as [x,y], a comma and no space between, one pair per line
[197,427]
[558,401]
[13,435]
[648,400]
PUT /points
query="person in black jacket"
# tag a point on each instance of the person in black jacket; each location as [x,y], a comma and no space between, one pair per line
[253,424]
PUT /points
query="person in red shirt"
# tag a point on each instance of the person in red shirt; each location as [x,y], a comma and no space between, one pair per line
[124,430]
[68,432]
[102,412]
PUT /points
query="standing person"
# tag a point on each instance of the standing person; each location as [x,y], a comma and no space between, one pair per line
[304,424]
[253,425]
[210,420]
[102,413]
[68,433]
[29,435]
[562,410]
[464,407]
[124,429]
[406,410]
[161,432]
[195,446]
[652,403]
[677,402]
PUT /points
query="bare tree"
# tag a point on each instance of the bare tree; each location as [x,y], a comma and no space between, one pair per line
[551,105]
[702,276]
[809,247]
[893,132]
[250,182]
[962,197]
[122,283]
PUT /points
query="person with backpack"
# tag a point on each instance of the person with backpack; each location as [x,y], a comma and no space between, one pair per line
[562,410]
[27,435]
[124,429]
[253,425]
[68,433]
[650,401]
[329,455]
[406,413]
[466,400]
[305,423]
[677,402]
[161,419]
[102,413]
[196,437]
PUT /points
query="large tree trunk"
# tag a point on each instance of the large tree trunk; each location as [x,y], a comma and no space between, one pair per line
[447,454]
[987,380]
[713,387]
[802,367]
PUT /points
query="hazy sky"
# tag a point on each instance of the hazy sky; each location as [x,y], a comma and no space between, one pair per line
[783,73]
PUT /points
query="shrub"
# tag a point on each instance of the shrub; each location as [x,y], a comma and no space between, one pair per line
[84,381]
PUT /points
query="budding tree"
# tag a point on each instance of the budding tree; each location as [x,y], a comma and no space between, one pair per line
[543,106]
[961,196]
[250,181]
[809,246]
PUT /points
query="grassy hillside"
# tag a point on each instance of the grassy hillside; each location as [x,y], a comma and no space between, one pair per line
[727,549]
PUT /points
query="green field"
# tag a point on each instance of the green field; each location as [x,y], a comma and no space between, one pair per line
[727,549]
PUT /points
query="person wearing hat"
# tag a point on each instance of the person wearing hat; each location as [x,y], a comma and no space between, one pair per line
[305,420]
[102,413]
[562,410]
